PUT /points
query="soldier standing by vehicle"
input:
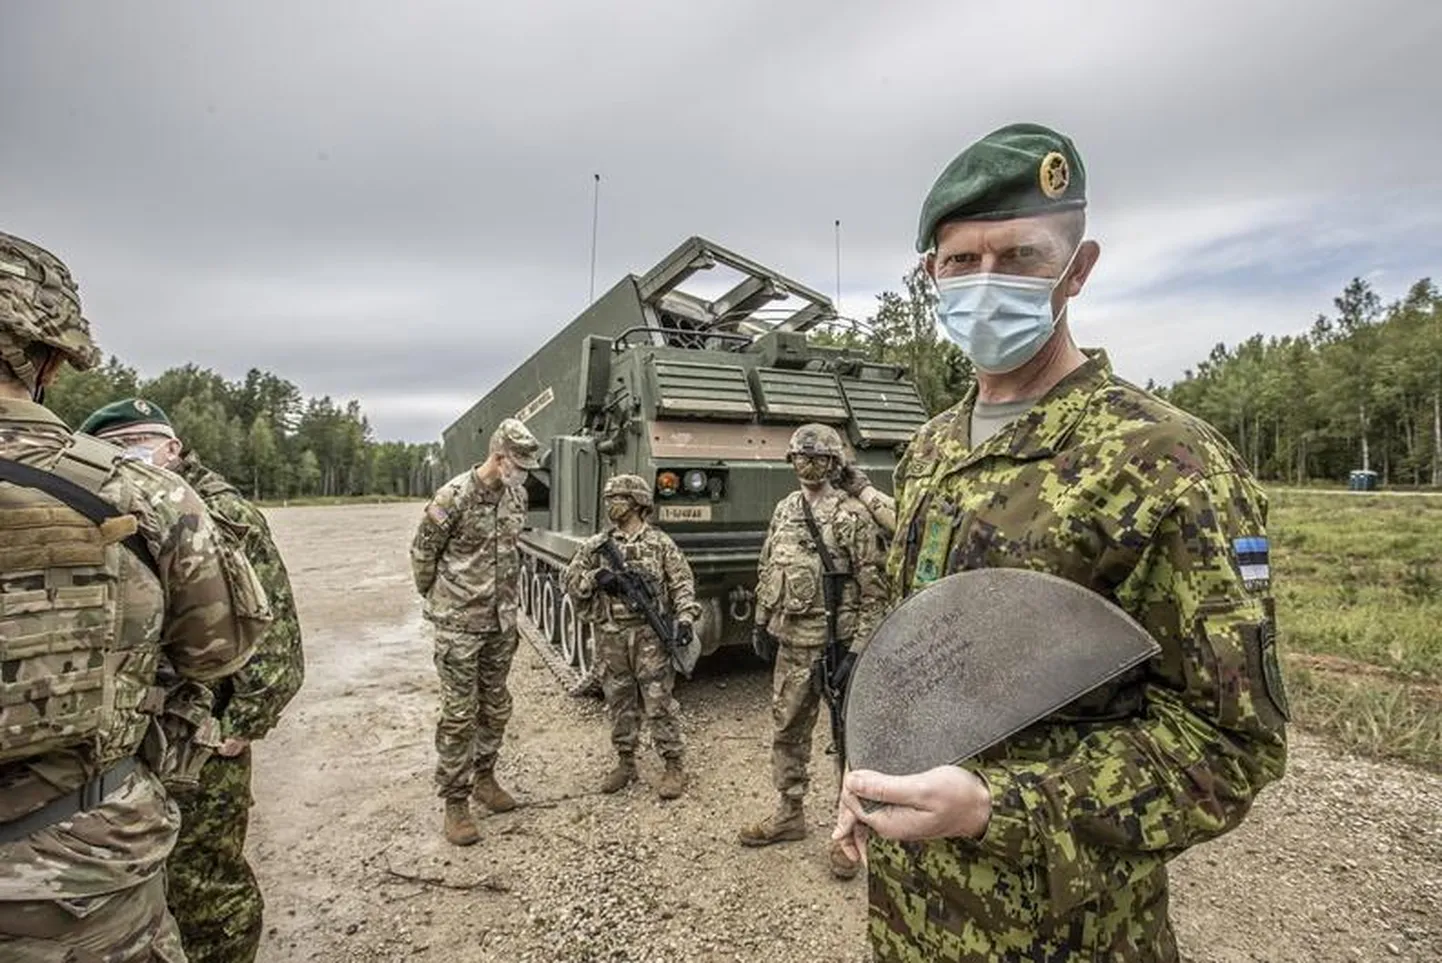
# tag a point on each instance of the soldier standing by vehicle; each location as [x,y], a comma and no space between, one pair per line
[106,565]
[1055,843]
[636,673]
[466,567]
[212,891]
[809,528]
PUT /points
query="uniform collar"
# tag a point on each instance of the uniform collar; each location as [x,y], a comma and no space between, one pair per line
[1043,430]
[17,409]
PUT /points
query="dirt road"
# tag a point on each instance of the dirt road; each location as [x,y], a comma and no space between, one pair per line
[1341,861]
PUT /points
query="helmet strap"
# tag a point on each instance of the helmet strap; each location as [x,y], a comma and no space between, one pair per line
[15,358]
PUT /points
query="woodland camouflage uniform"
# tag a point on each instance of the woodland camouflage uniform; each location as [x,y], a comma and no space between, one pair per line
[90,884]
[213,892]
[1108,486]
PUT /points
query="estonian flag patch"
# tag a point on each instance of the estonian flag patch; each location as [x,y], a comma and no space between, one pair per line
[1253,561]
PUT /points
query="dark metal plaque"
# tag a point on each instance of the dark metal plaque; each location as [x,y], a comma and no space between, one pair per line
[976,657]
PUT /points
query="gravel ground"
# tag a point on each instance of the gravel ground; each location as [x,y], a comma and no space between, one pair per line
[1340,861]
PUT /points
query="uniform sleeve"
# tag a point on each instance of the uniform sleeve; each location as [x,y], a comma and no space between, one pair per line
[763,564]
[266,684]
[579,579]
[679,580]
[1212,735]
[882,509]
[434,531]
[216,607]
[868,560]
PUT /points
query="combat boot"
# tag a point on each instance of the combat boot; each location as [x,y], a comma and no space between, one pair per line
[489,793]
[673,781]
[842,865]
[460,827]
[621,776]
[787,823]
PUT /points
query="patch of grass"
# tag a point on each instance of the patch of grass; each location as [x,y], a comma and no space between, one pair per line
[1360,576]
[1358,582]
[1370,715]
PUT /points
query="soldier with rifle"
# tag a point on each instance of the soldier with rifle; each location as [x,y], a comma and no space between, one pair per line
[633,584]
[820,591]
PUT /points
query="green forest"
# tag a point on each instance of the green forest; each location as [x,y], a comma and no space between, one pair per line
[1361,388]
[260,432]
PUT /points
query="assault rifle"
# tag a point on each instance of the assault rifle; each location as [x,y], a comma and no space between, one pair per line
[636,591]
[830,671]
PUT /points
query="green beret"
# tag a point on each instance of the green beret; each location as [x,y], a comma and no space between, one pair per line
[1015,171]
[133,416]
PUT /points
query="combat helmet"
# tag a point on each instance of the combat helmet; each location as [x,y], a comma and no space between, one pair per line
[633,487]
[814,439]
[40,304]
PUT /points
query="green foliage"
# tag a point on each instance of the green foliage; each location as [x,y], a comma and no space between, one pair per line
[260,433]
[903,332]
[1361,390]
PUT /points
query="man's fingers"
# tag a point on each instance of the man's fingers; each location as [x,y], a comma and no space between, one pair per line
[881,788]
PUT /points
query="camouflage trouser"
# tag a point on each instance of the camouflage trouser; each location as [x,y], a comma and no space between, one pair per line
[636,675]
[212,891]
[475,705]
[131,926]
[795,704]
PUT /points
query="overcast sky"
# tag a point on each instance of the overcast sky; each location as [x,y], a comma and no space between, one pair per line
[392,201]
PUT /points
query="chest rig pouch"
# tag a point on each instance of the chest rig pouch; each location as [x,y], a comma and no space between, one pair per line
[60,556]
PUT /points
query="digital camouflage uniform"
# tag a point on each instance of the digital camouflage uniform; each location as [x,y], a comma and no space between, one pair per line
[91,886]
[213,892]
[634,668]
[790,605]
[1105,485]
[466,565]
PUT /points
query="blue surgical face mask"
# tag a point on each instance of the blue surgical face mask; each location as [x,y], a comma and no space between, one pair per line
[145,453]
[999,321]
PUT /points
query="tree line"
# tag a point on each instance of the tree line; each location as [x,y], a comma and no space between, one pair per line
[260,432]
[1360,389]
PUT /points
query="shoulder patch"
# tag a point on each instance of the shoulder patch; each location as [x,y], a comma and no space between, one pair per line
[437,513]
[1253,558]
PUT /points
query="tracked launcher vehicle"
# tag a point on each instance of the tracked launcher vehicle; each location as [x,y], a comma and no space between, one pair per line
[697,396]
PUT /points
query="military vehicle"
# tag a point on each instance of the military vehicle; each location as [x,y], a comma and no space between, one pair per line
[699,396]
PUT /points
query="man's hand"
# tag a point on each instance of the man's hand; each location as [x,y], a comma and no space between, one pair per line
[852,480]
[232,747]
[683,632]
[941,803]
[763,643]
[850,832]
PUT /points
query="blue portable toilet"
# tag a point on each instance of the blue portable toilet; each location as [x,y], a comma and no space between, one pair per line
[1362,481]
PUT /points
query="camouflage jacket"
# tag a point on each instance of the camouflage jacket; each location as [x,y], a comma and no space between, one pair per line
[250,702]
[789,600]
[203,614]
[649,551]
[1108,486]
[464,557]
